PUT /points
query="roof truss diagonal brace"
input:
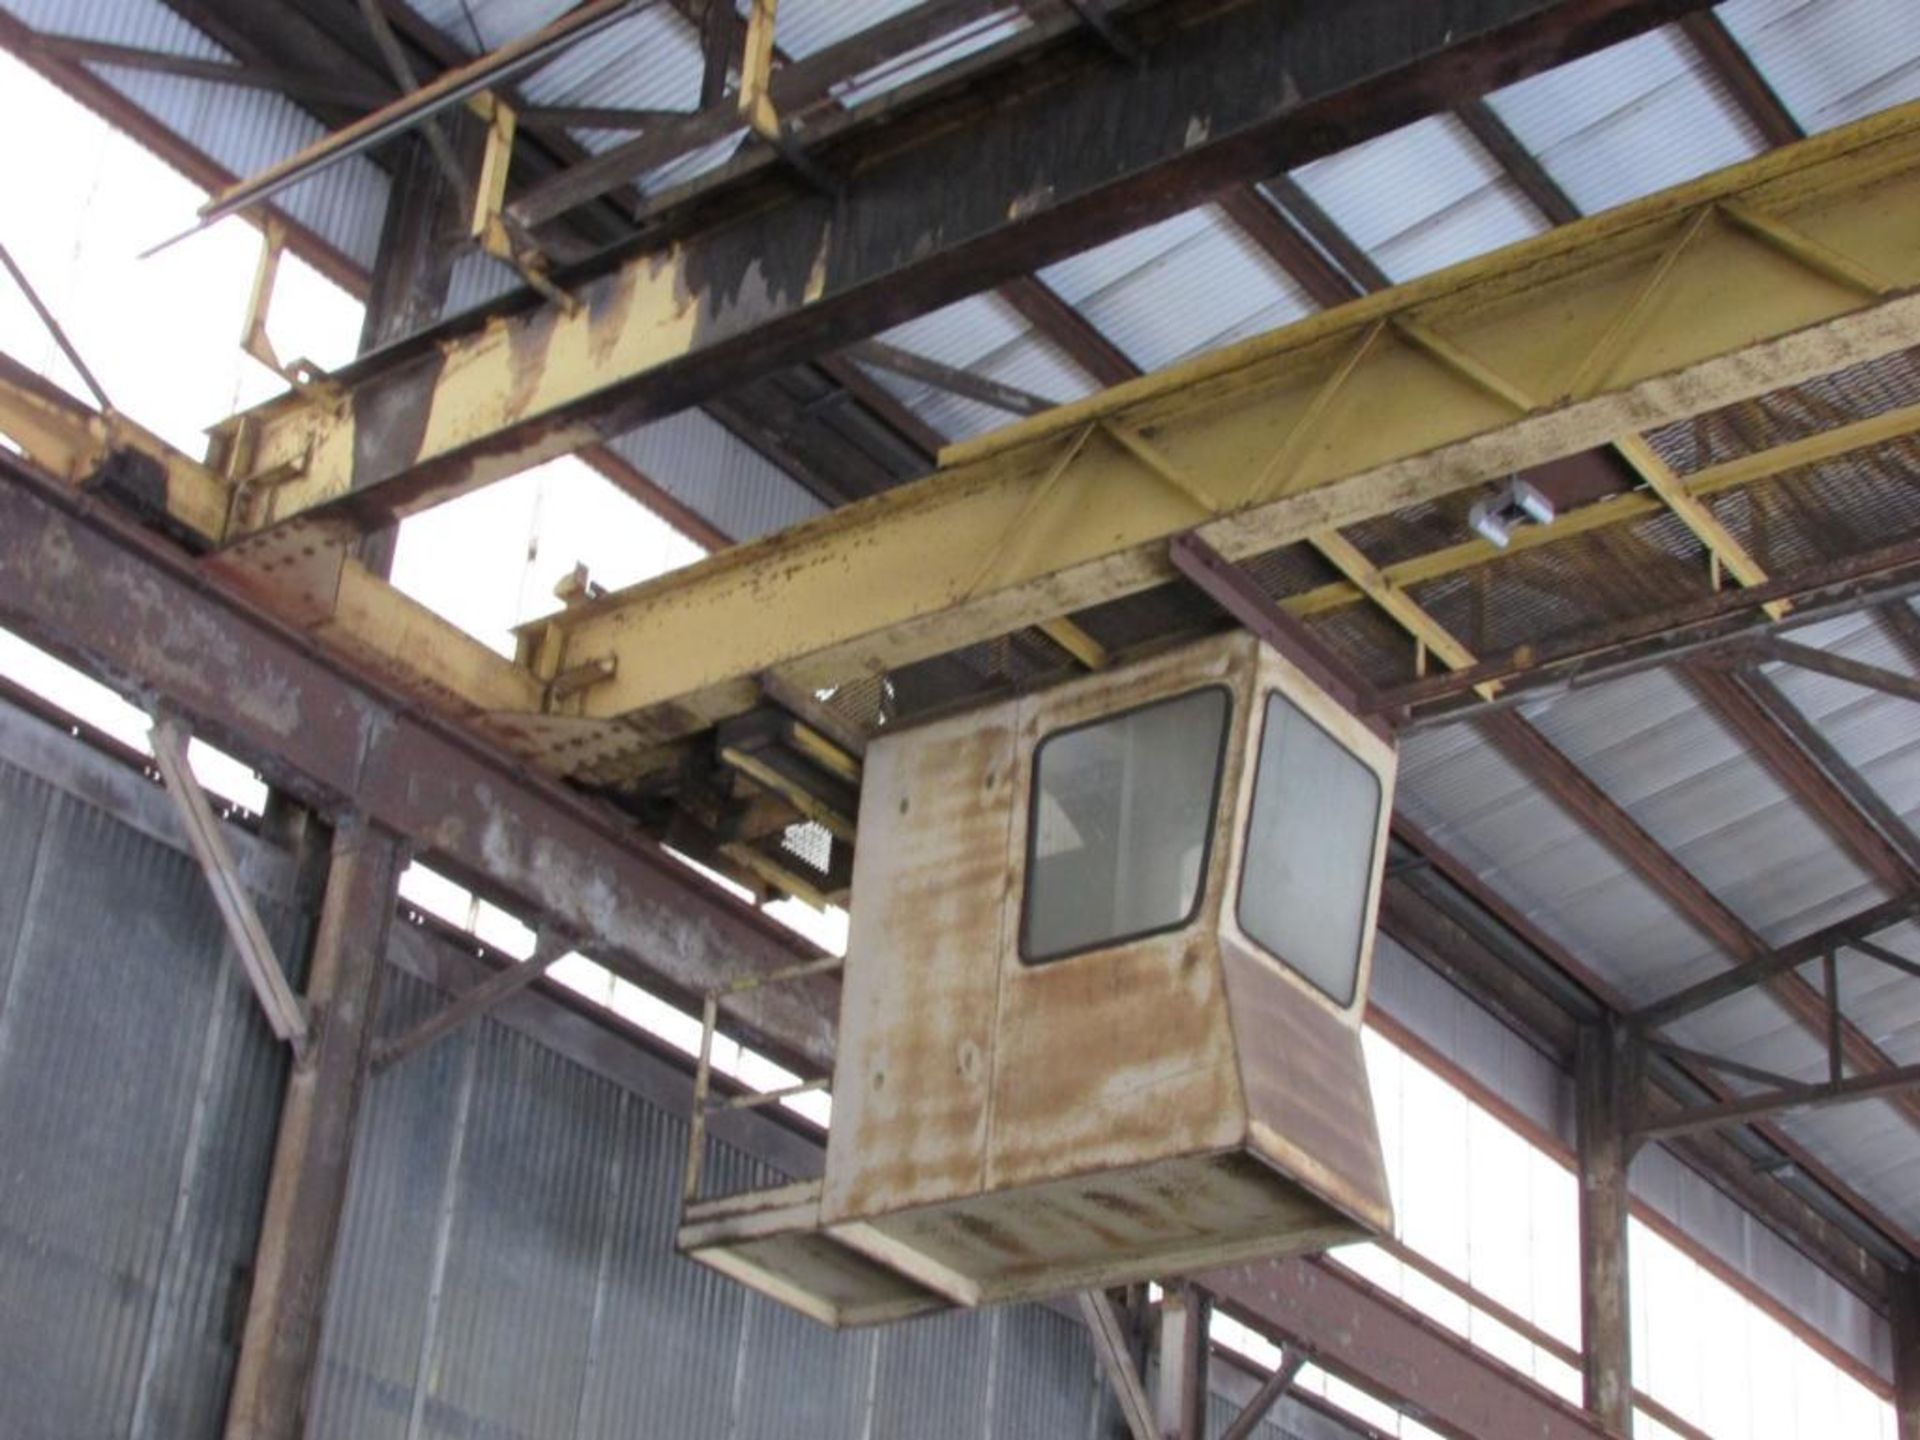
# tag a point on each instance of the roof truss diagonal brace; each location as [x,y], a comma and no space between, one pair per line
[472,1003]
[284,1012]
[1247,1422]
[1109,1331]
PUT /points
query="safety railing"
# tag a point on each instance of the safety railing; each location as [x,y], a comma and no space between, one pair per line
[704,1103]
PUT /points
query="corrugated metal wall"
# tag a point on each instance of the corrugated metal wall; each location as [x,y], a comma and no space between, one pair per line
[139,1094]
[507,1269]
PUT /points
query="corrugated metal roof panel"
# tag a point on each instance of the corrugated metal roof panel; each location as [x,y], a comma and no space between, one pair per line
[988,337]
[1629,120]
[805,26]
[1481,809]
[1870,1143]
[706,467]
[648,61]
[489,24]
[1421,198]
[936,54]
[242,130]
[1177,288]
[1079,278]
[1484,811]
[1831,61]
[962,333]
[1650,744]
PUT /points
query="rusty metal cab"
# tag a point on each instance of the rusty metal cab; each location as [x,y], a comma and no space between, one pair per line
[1101,1005]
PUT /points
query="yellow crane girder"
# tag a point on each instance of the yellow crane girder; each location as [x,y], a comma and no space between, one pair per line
[1790,267]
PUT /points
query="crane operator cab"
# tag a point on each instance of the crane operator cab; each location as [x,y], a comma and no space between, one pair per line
[1100,1016]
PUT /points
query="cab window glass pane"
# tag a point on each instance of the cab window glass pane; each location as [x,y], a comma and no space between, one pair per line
[1303,890]
[1122,816]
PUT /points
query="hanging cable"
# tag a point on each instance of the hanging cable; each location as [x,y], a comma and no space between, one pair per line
[53,329]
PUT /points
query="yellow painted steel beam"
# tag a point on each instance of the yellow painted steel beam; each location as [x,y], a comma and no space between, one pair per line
[1574,314]
[1614,324]
[1622,509]
[1434,638]
[70,440]
[1727,552]
[333,597]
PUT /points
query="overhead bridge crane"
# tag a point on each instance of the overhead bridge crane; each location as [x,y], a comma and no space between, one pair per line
[976,1008]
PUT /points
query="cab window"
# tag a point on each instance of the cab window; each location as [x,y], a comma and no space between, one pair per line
[1309,855]
[1121,823]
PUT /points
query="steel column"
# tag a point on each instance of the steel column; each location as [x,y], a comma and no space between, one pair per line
[1906,1355]
[1180,1404]
[280,1344]
[1602,1083]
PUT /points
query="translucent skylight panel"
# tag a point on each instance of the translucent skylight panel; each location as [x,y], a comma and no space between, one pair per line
[1081,277]
[1628,121]
[937,54]
[1831,61]
[648,61]
[1421,198]
[1028,363]
[1191,297]
[805,26]
[488,24]
[962,333]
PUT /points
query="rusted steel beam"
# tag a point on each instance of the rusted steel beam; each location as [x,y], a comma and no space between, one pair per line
[1523,167]
[797,88]
[984,176]
[1812,771]
[1354,264]
[1788,957]
[1728,60]
[1720,621]
[1840,667]
[1109,1333]
[319,1115]
[1901,1080]
[1609,823]
[1903,623]
[878,355]
[1604,1085]
[471,1003]
[1247,1423]
[1288,247]
[1066,327]
[1906,1357]
[1235,591]
[124,607]
[1351,1329]
[290,83]
[285,1014]
[417,107]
